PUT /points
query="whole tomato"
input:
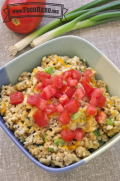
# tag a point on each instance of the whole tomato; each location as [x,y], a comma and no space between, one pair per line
[22,25]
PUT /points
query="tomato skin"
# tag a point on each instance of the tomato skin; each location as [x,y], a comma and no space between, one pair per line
[79,93]
[102,101]
[63,99]
[16,98]
[78,134]
[39,86]
[39,118]
[41,103]
[85,79]
[63,89]
[64,118]
[49,109]
[45,116]
[91,110]
[46,82]
[67,75]
[70,91]
[95,96]
[76,74]
[88,73]
[67,135]
[48,92]
[72,106]
[58,81]
[101,117]
[58,95]
[33,99]
[26,24]
[40,75]
[72,82]
[87,87]
[60,108]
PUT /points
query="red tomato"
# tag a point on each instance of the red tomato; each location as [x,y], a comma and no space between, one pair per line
[58,81]
[91,110]
[40,75]
[58,95]
[72,106]
[41,103]
[45,116]
[22,25]
[46,82]
[88,73]
[87,87]
[63,99]
[39,118]
[102,101]
[95,96]
[79,93]
[85,79]
[50,108]
[78,134]
[67,75]
[60,108]
[48,92]
[101,117]
[64,118]
[70,91]
[63,89]
[16,98]
[32,99]
[39,86]
[76,74]
[79,104]
[72,82]
[67,135]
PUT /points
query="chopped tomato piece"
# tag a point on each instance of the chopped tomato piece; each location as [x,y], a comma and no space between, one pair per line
[32,99]
[78,134]
[79,93]
[46,82]
[88,73]
[70,91]
[87,87]
[60,108]
[64,118]
[79,104]
[101,117]
[40,75]
[45,116]
[58,95]
[58,81]
[63,89]
[72,82]
[95,96]
[85,79]
[41,103]
[67,75]
[76,74]
[67,135]
[48,92]
[72,106]
[39,118]
[51,108]
[63,99]
[102,101]
[16,98]
[91,110]
[38,87]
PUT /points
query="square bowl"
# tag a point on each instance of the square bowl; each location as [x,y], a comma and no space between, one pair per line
[70,46]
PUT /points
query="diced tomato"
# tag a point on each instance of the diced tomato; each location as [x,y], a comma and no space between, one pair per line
[88,73]
[58,95]
[64,118]
[72,106]
[79,104]
[63,89]
[91,110]
[87,87]
[70,91]
[39,118]
[50,108]
[45,116]
[32,99]
[16,98]
[52,79]
[63,99]
[72,82]
[40,75]
[96,94]
[46,82]
[38,87]
[58,81]
[78,134]
[101,117]
[85,79]
[41,103]
[76,74]
[102,101]
[79,93]
[67,135]
[67,75]
[60,108]
[48,92]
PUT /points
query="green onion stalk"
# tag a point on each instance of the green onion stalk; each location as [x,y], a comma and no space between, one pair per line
[83,21]
[69,16]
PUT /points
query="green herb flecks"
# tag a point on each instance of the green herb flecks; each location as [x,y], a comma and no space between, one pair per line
[23,140]
[84,119]
[39,145]
[50,129]
[29,75]
[96,133]
[76,115]
[30,127]
[82,60]
[67,63]
[101,142]
[51,150]
[44,138]
[27,117]
[59,141]
[49,70]
[109,122]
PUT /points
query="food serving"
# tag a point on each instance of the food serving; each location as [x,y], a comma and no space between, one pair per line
[60,112]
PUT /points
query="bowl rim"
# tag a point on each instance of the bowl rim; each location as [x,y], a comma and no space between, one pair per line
[21,146]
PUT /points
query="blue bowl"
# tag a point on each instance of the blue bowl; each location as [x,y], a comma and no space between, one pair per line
[70,46]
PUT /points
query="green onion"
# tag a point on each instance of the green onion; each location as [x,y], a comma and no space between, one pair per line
[109,122]
[30,127]
[51,149]
[61,141]
[44,138]
[84,119]
[69,16]
[82,60]
[27,117]
[66,63]
[49,70]
[23,140]
[39,145]
[96,133]
[76,115]
[29,75]
[101,141]
[82,22]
